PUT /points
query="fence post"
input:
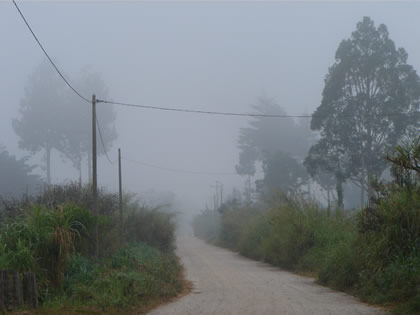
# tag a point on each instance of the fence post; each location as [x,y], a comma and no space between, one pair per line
[18,294]
[5,283]
[29,285]
[2,293]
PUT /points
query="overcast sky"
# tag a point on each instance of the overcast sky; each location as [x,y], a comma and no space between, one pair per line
[205,56]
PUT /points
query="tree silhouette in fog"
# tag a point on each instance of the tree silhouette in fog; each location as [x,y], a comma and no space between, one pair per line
[370,82]
[78,127]
[53,117]
[39,126]
[276,144]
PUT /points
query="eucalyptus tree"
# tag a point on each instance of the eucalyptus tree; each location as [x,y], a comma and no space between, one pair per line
[283,172]
[53,117]
[78,125]
[41,115]
[370,101]
[269,141]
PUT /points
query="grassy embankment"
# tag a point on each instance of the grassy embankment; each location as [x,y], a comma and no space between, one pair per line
[53,235]
[372,253]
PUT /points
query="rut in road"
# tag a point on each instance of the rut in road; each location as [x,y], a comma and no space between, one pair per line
[226,283]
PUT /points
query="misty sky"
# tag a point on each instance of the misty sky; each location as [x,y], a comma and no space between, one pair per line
[205,56]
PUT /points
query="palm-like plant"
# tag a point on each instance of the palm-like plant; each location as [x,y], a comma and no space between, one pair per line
[64,230]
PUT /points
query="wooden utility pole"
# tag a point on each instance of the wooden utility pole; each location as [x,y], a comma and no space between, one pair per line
[94,171]
[120,190]
[216,195]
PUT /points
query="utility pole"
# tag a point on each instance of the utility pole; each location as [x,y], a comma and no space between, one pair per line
[94,170]
[220,200]
[120,190]
[214,202]
[216,195]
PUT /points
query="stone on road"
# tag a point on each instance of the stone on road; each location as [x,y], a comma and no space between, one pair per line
[226,283]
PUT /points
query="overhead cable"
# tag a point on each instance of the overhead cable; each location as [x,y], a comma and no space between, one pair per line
[188,110]
[173,109]
[102,141]
[48,56]
[179,170]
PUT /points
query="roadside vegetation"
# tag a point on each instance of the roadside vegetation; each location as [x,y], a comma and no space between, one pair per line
[53,235]
[373,253]
[361,154]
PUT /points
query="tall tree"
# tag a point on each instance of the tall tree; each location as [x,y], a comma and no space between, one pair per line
[270,135]
[41,115]
[78,126]
[369,84]
[277,144]
[283,172]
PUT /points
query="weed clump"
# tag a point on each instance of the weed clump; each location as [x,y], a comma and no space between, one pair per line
[53,235]
[373,253]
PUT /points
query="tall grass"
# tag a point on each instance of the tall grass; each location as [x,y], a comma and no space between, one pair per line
[149,225]
[135,275]
[41,241]
[206,226]
[373,253]
[53,234]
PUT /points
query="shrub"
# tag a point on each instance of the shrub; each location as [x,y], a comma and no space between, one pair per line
[340,266]
[232,223]
[133,275]
[206,226]
[73,193]
[42,240]
[252,236]
[152,226]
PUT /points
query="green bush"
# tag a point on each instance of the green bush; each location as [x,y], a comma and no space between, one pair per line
[133,275]
[374,253]
[340,266]
[54,235]
[399,229]
[252,236]
[42,240]
[390,251]
[232,223]
[79,269]
[73,193]
[151,226]
[206,226]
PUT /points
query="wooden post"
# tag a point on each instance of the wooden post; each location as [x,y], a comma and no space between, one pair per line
[94,170]
[2,293]
[18,298]
[29,286]
[5,283]
[120,191]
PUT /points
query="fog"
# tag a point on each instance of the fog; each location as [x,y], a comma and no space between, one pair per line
[218,56]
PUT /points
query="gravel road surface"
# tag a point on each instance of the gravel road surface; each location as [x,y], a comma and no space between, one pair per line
[226,283]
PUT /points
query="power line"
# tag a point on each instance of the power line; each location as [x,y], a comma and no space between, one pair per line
[181,109]
[172,109]
[202,111]
[48,57]
[102,141]
[178,170]
[188,110]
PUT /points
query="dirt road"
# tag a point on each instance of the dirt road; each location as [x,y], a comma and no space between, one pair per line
[226,283]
